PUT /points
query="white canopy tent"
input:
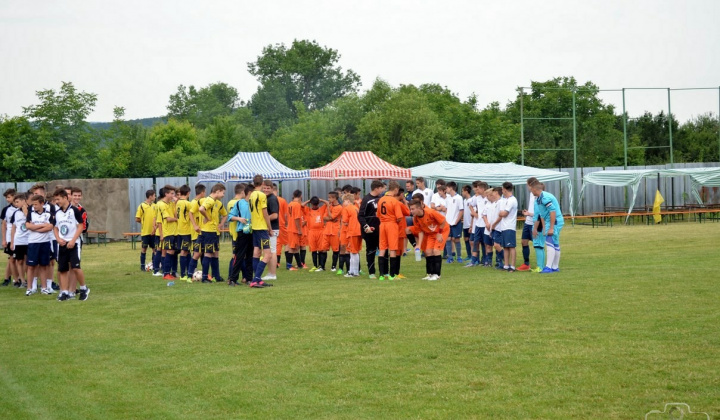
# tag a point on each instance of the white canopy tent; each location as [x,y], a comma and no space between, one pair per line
[245,165]
[492,173]
[709,177]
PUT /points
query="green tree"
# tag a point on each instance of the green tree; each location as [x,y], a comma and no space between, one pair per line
[224,138]
[201,106]
[697,140]
[61,117]
[405,131]
[128,150]
[548,107]
[306,72]
[25,152]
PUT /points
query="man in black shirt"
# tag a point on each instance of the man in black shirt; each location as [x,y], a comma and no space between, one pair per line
[273,209]
[371,224]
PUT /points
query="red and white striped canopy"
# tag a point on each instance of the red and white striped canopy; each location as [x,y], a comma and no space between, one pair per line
[359,165]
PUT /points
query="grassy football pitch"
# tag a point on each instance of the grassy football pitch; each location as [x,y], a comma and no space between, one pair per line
[629,324]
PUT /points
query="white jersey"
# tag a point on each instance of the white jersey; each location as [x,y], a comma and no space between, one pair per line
[509,222]
[40,219]
[427,195]
[439,201]
[68,221]
[530,209]
[467,217]
[454,204]
[9,211]
[480,203]
[491,213]
[21,233]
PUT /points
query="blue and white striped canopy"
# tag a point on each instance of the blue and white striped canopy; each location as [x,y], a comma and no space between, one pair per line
[244,166]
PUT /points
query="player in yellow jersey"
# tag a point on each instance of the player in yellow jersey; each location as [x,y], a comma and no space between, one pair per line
[221,216]
[196,221]
[167,225]
[145,215]
[260,223]
[184,233]
[210,208]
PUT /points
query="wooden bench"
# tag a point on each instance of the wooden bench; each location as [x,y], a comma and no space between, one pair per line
[134,237]
[99,235]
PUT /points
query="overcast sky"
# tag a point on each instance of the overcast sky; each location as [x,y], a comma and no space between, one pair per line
[135,53]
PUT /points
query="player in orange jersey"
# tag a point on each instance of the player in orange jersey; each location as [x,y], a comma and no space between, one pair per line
[331,233]
[430,225]
[315,228]
[295,229]
[354,235]
[282,220]
[389,212]
[402,230]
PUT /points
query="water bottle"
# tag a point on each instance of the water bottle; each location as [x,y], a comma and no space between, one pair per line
[418,255]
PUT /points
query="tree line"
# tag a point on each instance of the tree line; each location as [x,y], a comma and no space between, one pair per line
[308,109]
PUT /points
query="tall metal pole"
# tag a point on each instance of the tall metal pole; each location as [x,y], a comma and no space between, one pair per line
[624,116]
[672,162]
[522,130]
[574,191]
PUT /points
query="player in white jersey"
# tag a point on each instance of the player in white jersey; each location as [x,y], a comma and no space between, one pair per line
[40,228]
[19,236]
[5,216]
[454,218]
[477,208]
[68,227]
[424,190]
[468,201]
[493,238]
[507,225]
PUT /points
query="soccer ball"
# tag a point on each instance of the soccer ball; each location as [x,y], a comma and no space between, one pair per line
[197,276]
[149,267]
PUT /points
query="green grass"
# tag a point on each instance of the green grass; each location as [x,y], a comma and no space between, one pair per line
[631,323]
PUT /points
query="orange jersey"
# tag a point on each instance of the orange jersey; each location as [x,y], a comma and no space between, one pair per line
[430,221]
[334,212]
[389,210]
[295,212]
[283,213]
[315,219]
[353,228]
[402,225]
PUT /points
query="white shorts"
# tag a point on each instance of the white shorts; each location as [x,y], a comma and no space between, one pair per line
[273,240]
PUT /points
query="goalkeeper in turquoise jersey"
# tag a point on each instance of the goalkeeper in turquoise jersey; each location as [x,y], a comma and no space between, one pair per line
[547,210]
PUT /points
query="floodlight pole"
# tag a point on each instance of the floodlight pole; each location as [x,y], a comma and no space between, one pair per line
[522,130]
[672,162]
[624,116]
[574,191]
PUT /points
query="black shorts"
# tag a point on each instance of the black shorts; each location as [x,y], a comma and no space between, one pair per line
[8,251]
[68,257]
[148,241]
[54,247]
[20,252]
[39,254]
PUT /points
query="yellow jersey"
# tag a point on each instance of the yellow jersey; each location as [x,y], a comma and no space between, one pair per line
[212,209]
[168,210]
[258,202]
[183,216]
[195,210]
[232,225]
[146,214]
[221,212]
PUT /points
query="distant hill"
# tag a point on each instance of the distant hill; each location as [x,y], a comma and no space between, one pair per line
[146,122]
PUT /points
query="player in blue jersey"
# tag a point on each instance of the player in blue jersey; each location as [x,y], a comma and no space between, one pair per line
[547,209]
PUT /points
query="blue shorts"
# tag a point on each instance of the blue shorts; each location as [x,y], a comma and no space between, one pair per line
[38,254]
[527,232]
[209,242]
[477,236]
[409,220]
[147,241]
[497,237]
[54,250]
[553,240]
[169,243]
[184,243]
[261,239]
[456,231]
[509,238]
[468,235]
[539,241]
[487,240]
